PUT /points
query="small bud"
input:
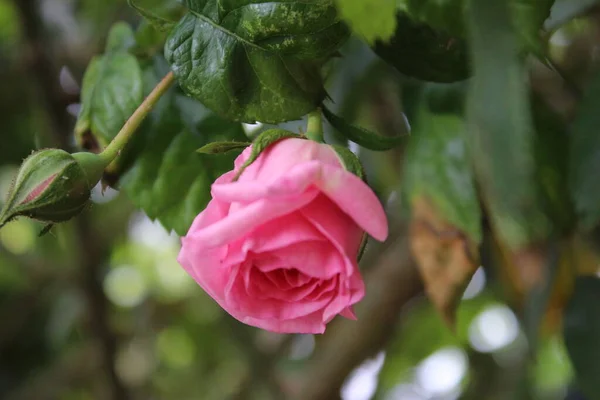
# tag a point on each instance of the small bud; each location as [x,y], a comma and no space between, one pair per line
[52,186]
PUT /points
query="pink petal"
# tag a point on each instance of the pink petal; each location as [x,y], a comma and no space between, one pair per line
[312,323]
[348,312]
[270,308]
[346,190]
[316,259]
[240,222]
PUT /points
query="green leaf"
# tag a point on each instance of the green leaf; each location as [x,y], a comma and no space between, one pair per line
[529,17]
[166,177]
[421,52]
[437,166]
[500,132]
[581,329]
[120,38]
[443,15]
[370,19]
[162,14]
[584,157]
[222,147]
[260,144]
[255,61]
[112,89]
[362,136]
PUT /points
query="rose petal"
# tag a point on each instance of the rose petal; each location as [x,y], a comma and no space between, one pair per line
[269,308]
[242,221]
[316,259]
[308,324]
[345,189]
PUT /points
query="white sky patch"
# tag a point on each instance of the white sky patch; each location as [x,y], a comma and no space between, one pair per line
[476,285]
[441,373]
[493,329]
[361,384]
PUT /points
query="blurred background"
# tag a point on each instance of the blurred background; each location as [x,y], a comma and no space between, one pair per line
[100,309]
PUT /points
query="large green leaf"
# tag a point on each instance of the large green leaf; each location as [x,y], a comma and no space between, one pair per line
[162,14]
[255,60]
[585,157]
[421,52]
[528,17]
[581,327]
[437,166]
[112,89]
[380,23]
[444,15]
[445,211]
[167,178]
[501,132]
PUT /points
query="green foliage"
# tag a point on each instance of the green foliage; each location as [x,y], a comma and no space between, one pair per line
[251,63]
[168,179]
[437,167]
[421,52]
[581,331]
[222,147]
[362,136]
[112,89]
[585,157]
[162,14]
[528,17]
[372,20]
[500,128]
[443,15]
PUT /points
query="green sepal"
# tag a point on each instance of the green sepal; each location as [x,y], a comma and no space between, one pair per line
[261,143]
[222,147]
[362,136]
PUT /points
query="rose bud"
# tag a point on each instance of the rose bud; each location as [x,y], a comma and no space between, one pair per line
[52,186]
[277,248]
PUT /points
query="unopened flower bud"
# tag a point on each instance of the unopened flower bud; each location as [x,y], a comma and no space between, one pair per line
[52,186]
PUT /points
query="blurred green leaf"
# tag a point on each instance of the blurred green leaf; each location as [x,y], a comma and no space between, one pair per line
[112,89]
[421,52]
[444,15]
[581,329]
[162,14]
[437,166]
[379,24]
[500,128]
[167,178]
[584,157]
[528,19]
[362,136]
[255,63]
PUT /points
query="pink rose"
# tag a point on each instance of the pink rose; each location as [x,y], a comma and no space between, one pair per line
[278,248]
